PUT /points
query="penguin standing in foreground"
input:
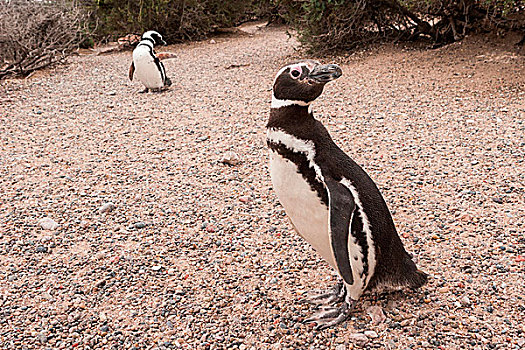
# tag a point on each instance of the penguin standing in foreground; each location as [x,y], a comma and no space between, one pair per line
[147,66]
[332,203]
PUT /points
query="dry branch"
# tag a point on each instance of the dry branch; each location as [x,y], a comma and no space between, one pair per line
[34,35]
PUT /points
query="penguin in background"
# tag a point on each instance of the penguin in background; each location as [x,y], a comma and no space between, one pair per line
[147,66]
[332,202]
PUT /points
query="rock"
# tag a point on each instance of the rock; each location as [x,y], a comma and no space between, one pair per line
[498,200]
[48,223]
[106,208]
[444,289]
[358,338]
[41,249]
[42,338]
[212,41]
[371,334]
[112,93]
[465,300]
[376,314]
[230,158]
[156,267]
[245,199]
[104,329]
[139,225]
[340,347]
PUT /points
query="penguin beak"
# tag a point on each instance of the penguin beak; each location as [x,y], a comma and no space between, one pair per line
[164,43]
[325,73]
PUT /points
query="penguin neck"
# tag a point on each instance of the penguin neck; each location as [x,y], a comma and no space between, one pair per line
[290,116]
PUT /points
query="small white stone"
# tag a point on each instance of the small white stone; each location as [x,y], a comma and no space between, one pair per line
[106,208]
[371,334]
[376,314]
[340,347]
[358,338]
[212,41]
[230,158]
[156,267]
[48,223]
[465,300]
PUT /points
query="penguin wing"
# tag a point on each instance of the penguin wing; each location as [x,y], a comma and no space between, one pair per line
[131,70]
[342,206]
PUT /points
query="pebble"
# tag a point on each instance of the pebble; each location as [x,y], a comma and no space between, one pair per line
[230,158]
[340,347]
[465,301]
[139,225]
[106,208]
[376,314]
[41,249]
[444,289]
[371,334]
[48,224]
[156,267]
[245,199]
[358,338]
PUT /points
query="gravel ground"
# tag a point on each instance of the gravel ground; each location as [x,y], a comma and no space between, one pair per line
[120,227]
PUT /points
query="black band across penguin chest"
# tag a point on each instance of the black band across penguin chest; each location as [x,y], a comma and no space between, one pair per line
[303,167]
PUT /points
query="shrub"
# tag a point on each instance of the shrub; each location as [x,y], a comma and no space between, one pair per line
[176,20]
[35,34]
[325,25]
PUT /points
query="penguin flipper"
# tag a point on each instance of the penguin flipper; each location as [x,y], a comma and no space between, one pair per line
[131,71]
[341,208]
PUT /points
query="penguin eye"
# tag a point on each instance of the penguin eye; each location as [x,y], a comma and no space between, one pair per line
[295,73]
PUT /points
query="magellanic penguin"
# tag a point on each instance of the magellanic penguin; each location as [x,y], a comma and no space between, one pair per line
[146,65]
[332,203]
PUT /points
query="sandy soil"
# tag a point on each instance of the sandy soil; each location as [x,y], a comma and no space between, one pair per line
[200,255]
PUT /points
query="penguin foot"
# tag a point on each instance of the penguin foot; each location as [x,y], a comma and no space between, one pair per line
[331,316]
[143,91]
[328,297]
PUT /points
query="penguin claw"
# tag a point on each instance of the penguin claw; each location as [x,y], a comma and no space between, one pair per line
[325,297]
[331,316]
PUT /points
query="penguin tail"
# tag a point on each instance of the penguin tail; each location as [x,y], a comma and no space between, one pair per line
[414,277]
[167,82]
[418,279]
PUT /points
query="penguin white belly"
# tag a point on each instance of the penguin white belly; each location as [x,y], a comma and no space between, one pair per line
[146,71]
[302,205]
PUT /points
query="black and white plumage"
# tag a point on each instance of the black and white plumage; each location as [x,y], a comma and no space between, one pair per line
[146,65]
[332,203]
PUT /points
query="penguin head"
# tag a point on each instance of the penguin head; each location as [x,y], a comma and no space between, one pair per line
[153,36]
[303,81]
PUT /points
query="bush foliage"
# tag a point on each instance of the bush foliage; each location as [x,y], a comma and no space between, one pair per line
[35,34]
[176,20]
[326,25]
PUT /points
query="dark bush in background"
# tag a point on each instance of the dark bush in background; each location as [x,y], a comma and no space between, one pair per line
[176,20]
[326,25]
[35,34]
